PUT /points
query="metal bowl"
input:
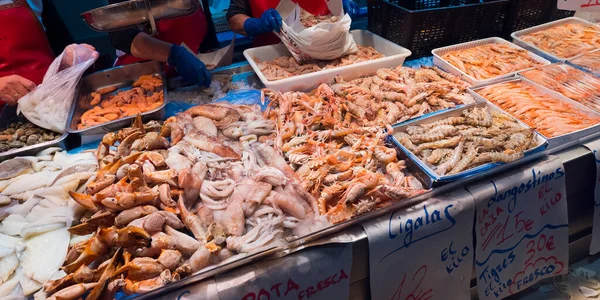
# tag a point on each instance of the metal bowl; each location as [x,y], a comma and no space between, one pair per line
[133,13]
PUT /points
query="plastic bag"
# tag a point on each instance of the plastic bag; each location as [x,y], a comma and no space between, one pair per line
[49,103]
[324,41]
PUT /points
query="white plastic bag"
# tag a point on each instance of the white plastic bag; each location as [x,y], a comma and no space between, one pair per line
[49,103]
[324,41]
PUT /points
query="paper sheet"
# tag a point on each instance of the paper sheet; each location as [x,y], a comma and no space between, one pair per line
[317,273]
[521,228]
[594,146]
[425,252]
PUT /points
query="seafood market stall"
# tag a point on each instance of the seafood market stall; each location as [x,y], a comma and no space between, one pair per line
[398,181]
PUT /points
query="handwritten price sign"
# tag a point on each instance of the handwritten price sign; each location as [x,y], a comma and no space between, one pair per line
[317,273]
[521,228]
[594,146]
[579,5]
[424,252]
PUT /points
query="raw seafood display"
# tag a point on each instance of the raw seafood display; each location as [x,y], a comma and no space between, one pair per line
[21,133]
[215,178]
[490,60]
[565,40]
[455,144]
[35,212]
[337,149]
[550,116]
[569,81]
[287,66]
[309,20]
[589,61]
[396,95]
[145,95]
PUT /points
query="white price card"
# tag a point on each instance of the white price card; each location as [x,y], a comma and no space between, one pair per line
[521,228]
[321,272]
[425,252]
[594,146]
[206,289]
[579,5]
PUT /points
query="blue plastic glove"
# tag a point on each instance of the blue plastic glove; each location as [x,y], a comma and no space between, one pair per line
[189,66]
[269,21]
[350,7]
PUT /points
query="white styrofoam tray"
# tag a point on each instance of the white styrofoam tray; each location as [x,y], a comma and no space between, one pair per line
[394,56]
[561,139]
[448,67]
[553,58]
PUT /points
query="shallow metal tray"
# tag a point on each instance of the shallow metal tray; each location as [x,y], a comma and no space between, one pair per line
[434,178]
[565,139]
[580,67]
[121,77]
[553,58]
[7,116]
[132,13]
[520,75]
[448,67]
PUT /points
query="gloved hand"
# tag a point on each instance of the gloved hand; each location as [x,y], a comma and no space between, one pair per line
[350,7]
[269,21]
[189,66]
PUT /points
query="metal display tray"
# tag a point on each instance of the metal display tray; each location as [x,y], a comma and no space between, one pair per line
[520,75]
[121,77]
[129,14]
[434,178]
[448,67]
[565,139]
[580,67]
[553,58]
[6,118]
[394,56]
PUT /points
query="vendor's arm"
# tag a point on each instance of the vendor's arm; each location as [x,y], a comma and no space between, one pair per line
[13,87]
[141,45]
[239,13]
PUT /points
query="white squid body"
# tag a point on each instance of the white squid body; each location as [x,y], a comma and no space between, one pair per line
[26,261]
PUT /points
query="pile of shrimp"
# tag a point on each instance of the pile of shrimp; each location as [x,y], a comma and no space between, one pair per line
[396,95]
[145,95]
[479,136]
[337,149]
[565,40]
[589,61]
[550,116]
[490,60]
[571,82]
[287,66]
[309,20]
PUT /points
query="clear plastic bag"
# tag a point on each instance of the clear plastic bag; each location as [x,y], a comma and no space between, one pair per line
[49,103]
[324,41]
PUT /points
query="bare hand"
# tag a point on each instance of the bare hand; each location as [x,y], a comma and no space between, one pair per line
[13,87]
[74,55]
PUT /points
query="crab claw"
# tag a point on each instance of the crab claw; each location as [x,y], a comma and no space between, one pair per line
[84,200]
[93,248]
[129,236]
[101,290]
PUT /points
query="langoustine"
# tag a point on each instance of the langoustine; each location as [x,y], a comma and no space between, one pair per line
[337,149]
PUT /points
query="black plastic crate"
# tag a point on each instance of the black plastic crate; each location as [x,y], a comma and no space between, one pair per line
[521,14]
[422,30]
